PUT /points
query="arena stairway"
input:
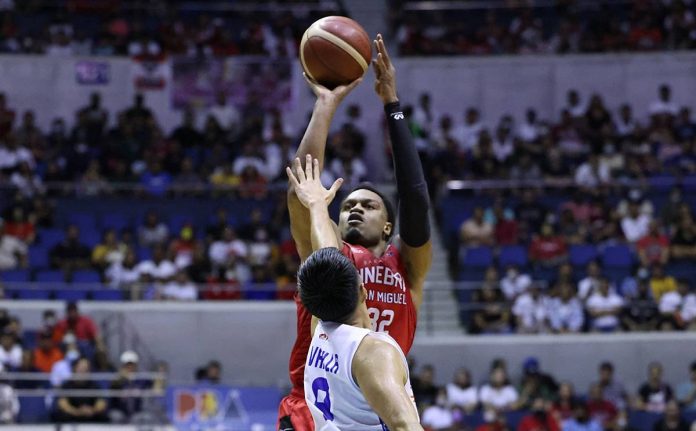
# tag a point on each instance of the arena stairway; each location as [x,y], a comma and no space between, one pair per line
[439,311]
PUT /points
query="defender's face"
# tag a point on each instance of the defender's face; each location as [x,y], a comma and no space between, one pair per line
[363,219]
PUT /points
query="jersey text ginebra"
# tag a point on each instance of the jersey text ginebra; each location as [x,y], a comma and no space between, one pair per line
[389,299]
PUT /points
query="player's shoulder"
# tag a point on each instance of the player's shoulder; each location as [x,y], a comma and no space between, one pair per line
[374,346]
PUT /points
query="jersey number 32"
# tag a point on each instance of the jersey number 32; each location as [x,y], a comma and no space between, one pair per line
[380,320]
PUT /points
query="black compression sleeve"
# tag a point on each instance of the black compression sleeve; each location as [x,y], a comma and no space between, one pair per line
[414,203]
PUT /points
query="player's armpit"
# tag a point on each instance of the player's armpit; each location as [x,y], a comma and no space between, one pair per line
[379,371]
[417,261]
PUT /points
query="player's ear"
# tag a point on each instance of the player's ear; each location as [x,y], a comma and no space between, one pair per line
[387,230]
[363,293]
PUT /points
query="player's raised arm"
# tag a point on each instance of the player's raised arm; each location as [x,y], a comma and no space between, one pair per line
[314,143]
[414,204]
[316,199]
[380,372]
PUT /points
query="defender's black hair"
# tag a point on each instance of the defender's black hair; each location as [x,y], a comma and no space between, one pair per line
[328,284]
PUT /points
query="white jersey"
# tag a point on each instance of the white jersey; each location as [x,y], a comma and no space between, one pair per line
[332,395]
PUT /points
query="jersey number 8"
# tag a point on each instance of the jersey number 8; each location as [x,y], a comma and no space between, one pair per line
[380,321]
[321,385]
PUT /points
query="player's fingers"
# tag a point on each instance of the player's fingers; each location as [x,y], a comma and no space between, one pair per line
[308,167]
[383,50]
[377,69]
[317,174]
[334,188]
[298,170]
[291,177]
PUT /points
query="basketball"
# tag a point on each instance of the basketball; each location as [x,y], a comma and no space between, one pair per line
[335,50]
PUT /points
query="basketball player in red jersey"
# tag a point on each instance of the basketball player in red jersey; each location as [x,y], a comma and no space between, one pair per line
[393,267]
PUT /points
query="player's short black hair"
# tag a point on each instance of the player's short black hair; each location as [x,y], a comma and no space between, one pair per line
[328,285]
[391,213]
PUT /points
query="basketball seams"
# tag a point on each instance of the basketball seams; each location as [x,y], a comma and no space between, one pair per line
[305,39]
[345,46]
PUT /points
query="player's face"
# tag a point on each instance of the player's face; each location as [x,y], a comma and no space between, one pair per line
[363,219]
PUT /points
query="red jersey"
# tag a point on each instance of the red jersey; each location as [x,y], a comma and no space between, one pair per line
[389,303]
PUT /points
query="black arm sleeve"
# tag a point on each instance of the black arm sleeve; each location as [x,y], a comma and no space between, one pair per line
[412,190]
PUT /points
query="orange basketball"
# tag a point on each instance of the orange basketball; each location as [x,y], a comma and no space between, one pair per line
[335,50]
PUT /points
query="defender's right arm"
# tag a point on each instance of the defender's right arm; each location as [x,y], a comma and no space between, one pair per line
[380,372]
[314,143]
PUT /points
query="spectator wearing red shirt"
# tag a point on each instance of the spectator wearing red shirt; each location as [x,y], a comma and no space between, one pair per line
[81,326]
[494,421]
[506,229]
[20,227]
[563,407]
[46,354]
[600,409]
[548,249]
[539,419]
[653,248]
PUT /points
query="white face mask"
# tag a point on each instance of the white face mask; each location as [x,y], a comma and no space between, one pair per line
[72,355]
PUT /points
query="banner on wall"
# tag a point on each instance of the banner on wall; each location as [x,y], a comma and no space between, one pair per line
[92,72]
[265,81]
[151,73]
[222,407]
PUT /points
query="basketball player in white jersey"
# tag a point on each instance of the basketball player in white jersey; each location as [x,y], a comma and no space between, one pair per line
[354,378]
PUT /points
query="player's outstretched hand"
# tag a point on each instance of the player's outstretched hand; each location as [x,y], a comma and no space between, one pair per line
[335,96]
[385,74]
[307,183]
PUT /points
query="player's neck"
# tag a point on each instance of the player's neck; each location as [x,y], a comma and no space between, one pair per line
[379,249]
[360,318]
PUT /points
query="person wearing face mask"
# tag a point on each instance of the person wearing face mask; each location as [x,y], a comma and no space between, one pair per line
[62,370]
[438,417]
[514,283]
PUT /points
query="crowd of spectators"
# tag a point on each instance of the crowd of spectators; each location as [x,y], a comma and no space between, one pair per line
[454,28]
[645,301]
[68,351]
[156,29]
[539,400]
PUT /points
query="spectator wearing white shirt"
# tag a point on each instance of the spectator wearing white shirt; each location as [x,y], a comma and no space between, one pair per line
[438,417]
[529,310]
[424,115]
[664,105]
[498,394]
[467,134]
[351,169]
[604,307]
[514,283]
[250,157]
[624,124]
[635,225]
[678,308]
[461,393]
[503,143]
[592,173]
[159,268]
[588,285]
[179,289]
[27,182]
[530,129]
[225,114]
[62,370]
[228,248]
[10,351]
[9,403]
[565,312]
[12,155]
[574,104]
[123,274]
[13,252]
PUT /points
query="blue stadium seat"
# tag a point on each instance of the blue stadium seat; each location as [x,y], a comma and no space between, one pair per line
[662,183]
[50,276]
[544,274]
[33,294]
[512,255]
[480,257]
[70,294]
[32,410]
[83,220]
[616,275]
[15,276]
[38,257]
[643,421]
[144,253]
[678,270]
[689,184]
[49,238]
[617,256]
[471,274]
[581,255]
[107,295]
[178,221]
[86,276]
[115,221]
[90,236]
